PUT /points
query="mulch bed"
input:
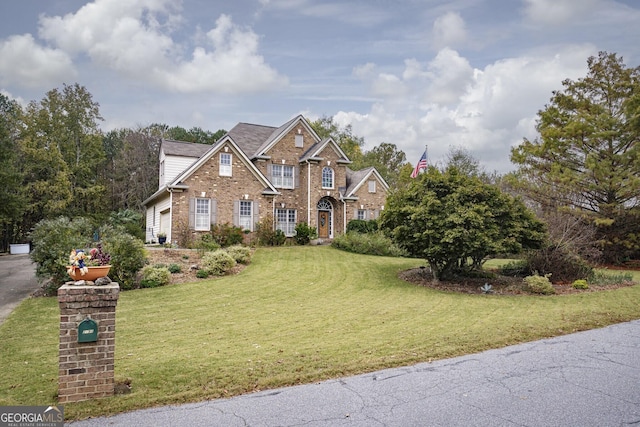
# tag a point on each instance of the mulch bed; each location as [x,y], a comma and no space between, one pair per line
[500,285]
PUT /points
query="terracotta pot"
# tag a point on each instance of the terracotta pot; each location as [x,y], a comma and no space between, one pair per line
[94,273]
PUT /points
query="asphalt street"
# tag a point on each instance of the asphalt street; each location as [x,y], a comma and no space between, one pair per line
[17,281]
[585,379]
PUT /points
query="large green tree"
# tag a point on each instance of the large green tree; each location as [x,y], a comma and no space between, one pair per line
[351,144]
[454,221]
[12,198]
[387,159]
[587,156]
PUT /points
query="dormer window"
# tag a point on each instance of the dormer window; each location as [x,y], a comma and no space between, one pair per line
[327,177]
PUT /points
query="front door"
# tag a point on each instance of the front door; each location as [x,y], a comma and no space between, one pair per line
[323,224]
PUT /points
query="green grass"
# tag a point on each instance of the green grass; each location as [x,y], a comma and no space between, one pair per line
[294,315]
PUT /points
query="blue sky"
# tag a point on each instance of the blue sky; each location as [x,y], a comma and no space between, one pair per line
[416,73]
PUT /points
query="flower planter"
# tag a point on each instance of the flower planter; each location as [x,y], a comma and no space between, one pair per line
[94,273]
[162,240]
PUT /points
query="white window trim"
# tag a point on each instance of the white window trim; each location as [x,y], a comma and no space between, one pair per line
[289,228]
[226,170]
[248,217]
[372,186]
[326,168]
[201,225]
[278,179]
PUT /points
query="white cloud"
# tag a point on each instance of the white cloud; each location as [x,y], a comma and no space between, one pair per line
[449,30]
[134,39]
[25,63]
[557,12]
[233,66]
[486,111]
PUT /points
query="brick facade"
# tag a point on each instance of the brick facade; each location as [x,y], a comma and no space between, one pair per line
[251,179]
[86,370]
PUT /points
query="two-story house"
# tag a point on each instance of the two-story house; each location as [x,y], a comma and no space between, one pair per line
[255,171]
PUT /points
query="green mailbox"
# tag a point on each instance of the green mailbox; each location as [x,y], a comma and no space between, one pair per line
[88,331]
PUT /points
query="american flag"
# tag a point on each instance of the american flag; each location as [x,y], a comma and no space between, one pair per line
[422,164]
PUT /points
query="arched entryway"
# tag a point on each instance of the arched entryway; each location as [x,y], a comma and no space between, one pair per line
[325,218]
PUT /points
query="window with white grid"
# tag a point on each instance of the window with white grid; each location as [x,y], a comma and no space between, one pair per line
[327,178]
[203,214]
[225,164]
[246,215]
[282,176]
[286,221]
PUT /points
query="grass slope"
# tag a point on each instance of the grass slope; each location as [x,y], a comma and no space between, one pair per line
[295,315]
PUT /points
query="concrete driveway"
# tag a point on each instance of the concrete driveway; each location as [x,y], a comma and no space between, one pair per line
[17,281]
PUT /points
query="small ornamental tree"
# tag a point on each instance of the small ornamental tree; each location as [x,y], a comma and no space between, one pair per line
[455,221]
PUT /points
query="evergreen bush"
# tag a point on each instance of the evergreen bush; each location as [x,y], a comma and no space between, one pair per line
[241,254]
[153,277]
[218,262]
[52,241]
[174,268]
[304,233]
[369,243]
[539,284]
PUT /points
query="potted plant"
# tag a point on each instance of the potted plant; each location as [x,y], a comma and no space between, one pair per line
[88,265]
[162,237]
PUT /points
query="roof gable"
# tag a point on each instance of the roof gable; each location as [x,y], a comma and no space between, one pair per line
[313,153]
[355,180]
[212,152]
[283,130]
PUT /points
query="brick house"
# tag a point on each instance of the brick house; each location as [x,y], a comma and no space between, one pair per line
[255,171]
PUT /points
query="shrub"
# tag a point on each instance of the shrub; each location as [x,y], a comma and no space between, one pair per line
[267,236]
[218,262]
[362,226]
[539,285]
[304,233]
[241,254]
[207,243]
[202,274]
[515,268]
[610,278]
[174,268]
[128,256]
[227,235]
[52,241]
[580,284]
[565,266]
[152,277]
[370,244]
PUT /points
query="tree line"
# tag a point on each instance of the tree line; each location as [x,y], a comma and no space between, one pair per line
[56,161]
[581,175]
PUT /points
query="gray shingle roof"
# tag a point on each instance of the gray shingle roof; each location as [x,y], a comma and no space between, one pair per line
[354,178]
[250,137]
[184,149]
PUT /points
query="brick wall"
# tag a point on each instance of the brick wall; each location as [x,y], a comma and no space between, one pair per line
[86,370]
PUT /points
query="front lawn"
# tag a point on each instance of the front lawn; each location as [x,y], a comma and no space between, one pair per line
[294,315]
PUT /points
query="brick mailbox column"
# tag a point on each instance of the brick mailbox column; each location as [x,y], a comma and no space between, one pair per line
[86,359]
